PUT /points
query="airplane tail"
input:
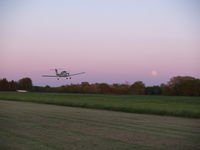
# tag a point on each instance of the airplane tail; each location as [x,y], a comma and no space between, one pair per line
[56,70]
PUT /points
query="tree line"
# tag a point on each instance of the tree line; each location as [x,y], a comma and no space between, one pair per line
[22,84]
[179,86]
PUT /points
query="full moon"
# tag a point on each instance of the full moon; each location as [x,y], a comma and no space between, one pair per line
[154,73]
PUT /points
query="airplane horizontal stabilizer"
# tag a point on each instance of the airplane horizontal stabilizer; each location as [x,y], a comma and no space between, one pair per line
[48,76]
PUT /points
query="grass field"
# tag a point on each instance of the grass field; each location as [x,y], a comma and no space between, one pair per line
[32,126]
[160,105]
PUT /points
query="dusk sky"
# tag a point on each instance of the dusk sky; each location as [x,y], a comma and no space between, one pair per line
[113,41]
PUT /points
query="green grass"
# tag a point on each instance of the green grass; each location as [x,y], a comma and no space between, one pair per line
[32,126]
[160,105]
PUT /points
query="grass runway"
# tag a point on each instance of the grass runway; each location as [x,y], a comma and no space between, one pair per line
[32,126]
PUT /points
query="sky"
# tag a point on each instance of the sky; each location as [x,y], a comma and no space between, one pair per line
[113,41]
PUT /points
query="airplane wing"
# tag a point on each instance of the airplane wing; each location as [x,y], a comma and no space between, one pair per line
[76,74]
[49,76]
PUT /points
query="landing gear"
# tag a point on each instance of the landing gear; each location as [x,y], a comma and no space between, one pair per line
[69,77]
[57,78]
[66,78]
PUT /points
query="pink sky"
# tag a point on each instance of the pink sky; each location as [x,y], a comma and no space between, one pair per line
[112,41]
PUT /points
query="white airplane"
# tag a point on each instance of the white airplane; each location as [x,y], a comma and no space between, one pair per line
[62,74]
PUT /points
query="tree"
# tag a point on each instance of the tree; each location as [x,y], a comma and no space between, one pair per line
[120,88]
[165,89]
[137,88]
[4,85]
[182,86]
[153,90]
[104,88]
[25,84]
[12,85]
[94,88]
[188,88]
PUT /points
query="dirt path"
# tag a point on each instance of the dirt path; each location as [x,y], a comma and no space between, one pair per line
[33,126]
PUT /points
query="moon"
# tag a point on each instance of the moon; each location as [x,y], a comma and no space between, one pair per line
[154,73]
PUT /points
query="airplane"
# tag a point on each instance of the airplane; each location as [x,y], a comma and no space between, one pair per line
[62,74]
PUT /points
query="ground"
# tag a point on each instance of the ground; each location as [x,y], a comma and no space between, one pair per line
[26,125]
[180,106]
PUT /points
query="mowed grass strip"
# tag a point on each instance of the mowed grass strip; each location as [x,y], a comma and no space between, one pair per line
[40,126]
[160,105]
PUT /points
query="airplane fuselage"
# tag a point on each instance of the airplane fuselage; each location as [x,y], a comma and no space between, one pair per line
[63,74]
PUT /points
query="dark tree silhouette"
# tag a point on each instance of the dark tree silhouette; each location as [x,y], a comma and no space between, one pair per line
[25,84]
[137,88]
[104,88]
[153,90]
[4,85]
[12,86]
[179,85]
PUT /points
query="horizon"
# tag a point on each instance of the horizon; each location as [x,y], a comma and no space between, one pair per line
[75,83]
[112,41]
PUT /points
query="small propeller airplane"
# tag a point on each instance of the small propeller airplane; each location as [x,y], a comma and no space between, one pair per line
[62,74]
